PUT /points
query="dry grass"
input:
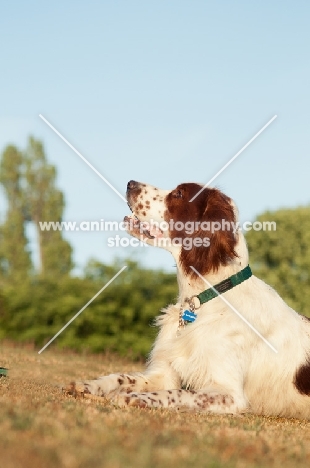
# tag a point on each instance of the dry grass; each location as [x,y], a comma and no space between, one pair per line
[40,427]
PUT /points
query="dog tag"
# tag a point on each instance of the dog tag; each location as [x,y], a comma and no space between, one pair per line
[189,316]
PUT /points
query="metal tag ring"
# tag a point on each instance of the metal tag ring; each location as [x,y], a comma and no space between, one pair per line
[191,303]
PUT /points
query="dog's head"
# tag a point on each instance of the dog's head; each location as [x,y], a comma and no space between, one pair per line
[201,233]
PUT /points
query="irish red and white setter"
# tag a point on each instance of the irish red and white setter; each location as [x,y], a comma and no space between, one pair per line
[216,362]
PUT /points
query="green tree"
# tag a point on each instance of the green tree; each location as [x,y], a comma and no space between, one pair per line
[282,257]
[15,258]
[45,203]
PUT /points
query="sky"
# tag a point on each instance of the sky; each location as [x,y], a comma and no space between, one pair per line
[163,92]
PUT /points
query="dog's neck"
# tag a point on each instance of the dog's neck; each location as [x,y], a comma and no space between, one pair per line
[193,285]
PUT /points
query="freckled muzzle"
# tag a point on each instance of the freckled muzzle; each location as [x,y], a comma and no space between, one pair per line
[139,207]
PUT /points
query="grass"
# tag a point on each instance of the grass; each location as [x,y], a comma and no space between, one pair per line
[40,427]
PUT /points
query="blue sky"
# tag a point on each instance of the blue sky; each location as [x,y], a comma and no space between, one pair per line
[162,92]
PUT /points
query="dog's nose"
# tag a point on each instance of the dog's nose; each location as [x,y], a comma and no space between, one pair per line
[132,184]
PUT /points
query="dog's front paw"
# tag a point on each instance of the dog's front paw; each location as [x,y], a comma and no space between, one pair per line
[76,389]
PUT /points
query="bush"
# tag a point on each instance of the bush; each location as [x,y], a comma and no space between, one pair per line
[120,319]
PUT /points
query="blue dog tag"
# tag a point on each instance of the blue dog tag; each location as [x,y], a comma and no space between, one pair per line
[189,316]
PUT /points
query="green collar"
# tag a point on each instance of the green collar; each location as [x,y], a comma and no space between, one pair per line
[189,315]
[225,285]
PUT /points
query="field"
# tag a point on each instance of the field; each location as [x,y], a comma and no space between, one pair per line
[40,427]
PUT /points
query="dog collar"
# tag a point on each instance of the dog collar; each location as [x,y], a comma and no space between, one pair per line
[225,285]
[211,293]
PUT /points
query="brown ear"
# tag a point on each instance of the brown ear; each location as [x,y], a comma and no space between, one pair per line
[222,242]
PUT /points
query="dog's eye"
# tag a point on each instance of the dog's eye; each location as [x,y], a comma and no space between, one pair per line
[178,194]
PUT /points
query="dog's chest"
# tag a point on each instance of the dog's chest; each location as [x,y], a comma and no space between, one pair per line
[188,356]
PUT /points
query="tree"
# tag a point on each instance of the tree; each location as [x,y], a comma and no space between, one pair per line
[282,257]
[14,255]
[45,203]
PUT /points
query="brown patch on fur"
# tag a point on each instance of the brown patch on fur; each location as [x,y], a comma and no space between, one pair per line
[302,379]
[120,381]
[210,206]
[140,403]
[228,400]
[131,381]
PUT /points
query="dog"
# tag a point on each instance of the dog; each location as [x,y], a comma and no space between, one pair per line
[230,344]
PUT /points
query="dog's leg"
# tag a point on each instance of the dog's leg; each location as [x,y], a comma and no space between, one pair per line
[124,383]
[109,383]
[189,400]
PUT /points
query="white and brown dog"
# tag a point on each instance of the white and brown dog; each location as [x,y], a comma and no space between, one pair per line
[207,358]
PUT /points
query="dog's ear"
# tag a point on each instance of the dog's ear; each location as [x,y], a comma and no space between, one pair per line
[217,243]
